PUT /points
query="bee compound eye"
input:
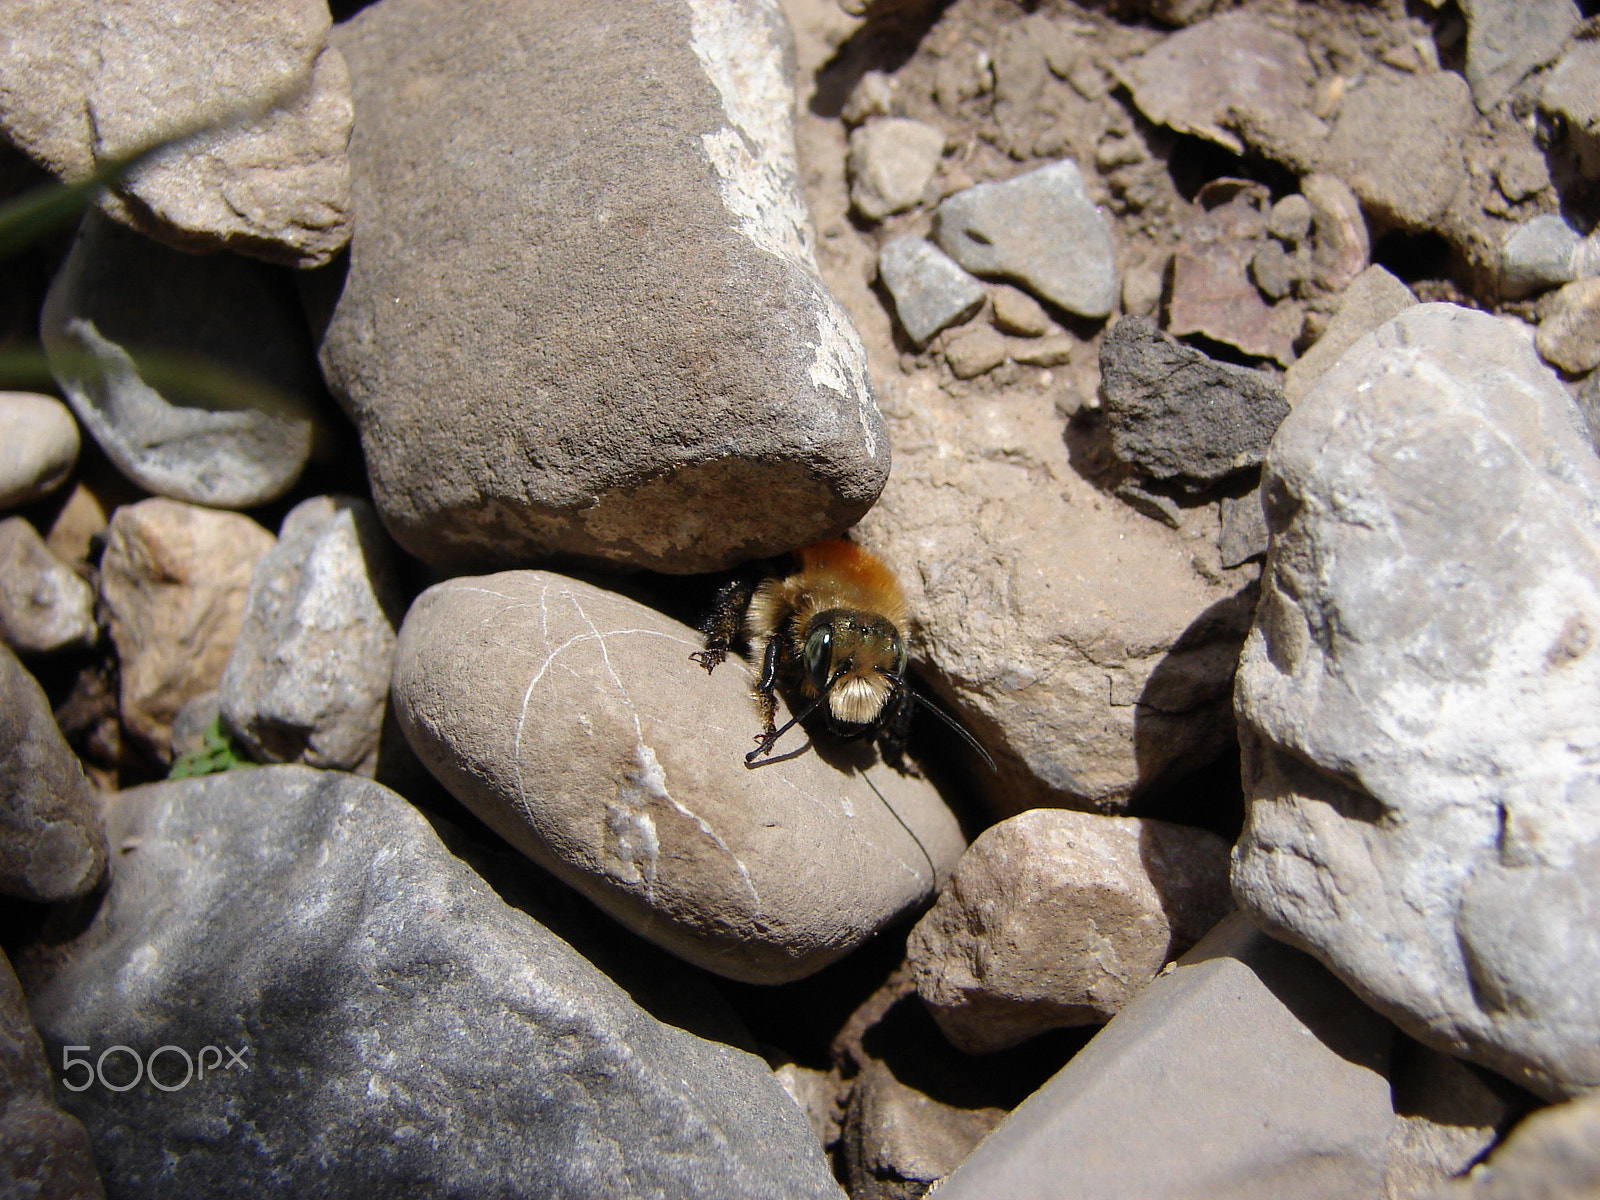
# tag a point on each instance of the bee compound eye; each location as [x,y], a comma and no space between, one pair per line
[819,656]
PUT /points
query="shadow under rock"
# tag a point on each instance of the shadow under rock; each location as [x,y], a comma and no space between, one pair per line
[1188,700]
[886,42]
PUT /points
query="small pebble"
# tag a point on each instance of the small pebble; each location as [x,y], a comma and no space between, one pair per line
[39,446]
[1522,173]
[1141,288]
[1290,219]
[1545,252]
[975,353]
[1244,529]
[1569,334]
[1275,270]
[930,291]
[1049,351]
[44,605]
[892,162]
[1019,313]
[872,96]
[1340,243]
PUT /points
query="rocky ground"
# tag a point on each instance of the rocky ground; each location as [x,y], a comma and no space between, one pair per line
[1218,379]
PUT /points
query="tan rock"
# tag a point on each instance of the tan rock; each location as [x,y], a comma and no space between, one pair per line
[174,579]
[1018,313]
[572,721]
[975,352]
[1051,614]
[269,179]
[1553,1155]
[39,446]
[1569,334]
[897,1140]
[1057,918]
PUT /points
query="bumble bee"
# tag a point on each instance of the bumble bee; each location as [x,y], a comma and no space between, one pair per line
[833,635]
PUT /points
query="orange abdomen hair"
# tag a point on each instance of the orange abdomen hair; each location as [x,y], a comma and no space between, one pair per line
[851,577]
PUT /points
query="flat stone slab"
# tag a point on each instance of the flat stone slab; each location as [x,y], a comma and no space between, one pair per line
[1271,1085]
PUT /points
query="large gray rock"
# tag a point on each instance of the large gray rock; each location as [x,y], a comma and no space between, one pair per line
[1270,1086]
[194,374]
[40,447]
[85,86]
[44,1153]
[52,843]
[582,314]
[402,1029]
[44,604]
[1419,743]
[309,673]
[1039,230]
[174,579]
[1056,918]
[571,720]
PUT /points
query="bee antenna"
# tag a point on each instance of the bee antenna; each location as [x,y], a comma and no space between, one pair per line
[950,721]
[769,740]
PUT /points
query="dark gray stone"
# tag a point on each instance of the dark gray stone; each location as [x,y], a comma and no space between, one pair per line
[52,845]
[403,1030]
[309,674]
[1176,414]
[193,373]
[582,314]
[1039,230]
[1244,529]
[44,1153]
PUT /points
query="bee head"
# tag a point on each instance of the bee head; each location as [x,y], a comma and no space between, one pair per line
[858,659]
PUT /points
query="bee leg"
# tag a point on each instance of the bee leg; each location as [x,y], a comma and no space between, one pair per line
[767,695]
[721,626]
[894,734]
